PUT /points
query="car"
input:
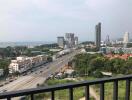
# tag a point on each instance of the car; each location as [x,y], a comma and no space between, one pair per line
[38,85]
[7,82]
[24,74]
[11,80]
[1,85]
[3,91]
[41,71]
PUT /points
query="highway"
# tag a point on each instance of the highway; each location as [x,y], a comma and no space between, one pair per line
[40,75]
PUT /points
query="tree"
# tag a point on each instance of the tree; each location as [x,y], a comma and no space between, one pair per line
[86,64]
[4,63]
[108,66]
[121,52]
[127,68]
[98,74]
[115,65]
[97,63]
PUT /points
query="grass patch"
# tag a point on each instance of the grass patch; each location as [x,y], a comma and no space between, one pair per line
[109,90]
[61,94]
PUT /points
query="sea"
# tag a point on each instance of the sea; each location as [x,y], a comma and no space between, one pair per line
[28,44]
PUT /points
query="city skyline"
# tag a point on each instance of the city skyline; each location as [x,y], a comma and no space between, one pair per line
[43,20]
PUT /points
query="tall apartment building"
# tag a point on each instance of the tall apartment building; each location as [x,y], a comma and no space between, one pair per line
[70,40]
[98,35]
[126,38]
[76,40]
[61,42]
[107,40]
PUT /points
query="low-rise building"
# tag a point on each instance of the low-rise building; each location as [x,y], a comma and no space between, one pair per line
[83,51]
[124,56]
[116,50]
[22,64]
[55,50]
[69,71]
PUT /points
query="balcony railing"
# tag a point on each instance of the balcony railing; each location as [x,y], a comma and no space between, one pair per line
[72,86]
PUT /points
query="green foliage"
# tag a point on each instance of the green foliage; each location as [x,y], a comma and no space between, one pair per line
[60,94]
[88,63]
[126,69]
[121,90]
[13,52]
[91,49]
[4,63]
[45,50]
[97,63]
[57,81]
[98,74]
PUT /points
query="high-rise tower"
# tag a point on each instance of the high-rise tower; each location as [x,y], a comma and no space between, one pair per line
[98,35]
[70,40]
[107,40]
[76,40]
[61,42]
[126,38]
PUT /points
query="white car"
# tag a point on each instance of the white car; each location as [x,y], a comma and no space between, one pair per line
[3,91]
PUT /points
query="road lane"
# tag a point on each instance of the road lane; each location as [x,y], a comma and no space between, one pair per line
[30,81]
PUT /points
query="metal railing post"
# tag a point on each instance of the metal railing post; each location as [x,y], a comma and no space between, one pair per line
[115,80]
[8,98]
[127,96]
[52,95]
[70,93]
[87,96]
[102,91]
[115,90]
[32,96]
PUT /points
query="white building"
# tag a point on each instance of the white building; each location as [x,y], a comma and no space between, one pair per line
[76,40]
[20,58]
[69,71]
[61,42]
[107,40]
[83,51]
[126,38]
[70,40]
[22,64]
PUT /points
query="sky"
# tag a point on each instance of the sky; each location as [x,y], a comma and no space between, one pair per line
[44,20]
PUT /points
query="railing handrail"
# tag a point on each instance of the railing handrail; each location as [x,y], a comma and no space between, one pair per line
[62,86]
